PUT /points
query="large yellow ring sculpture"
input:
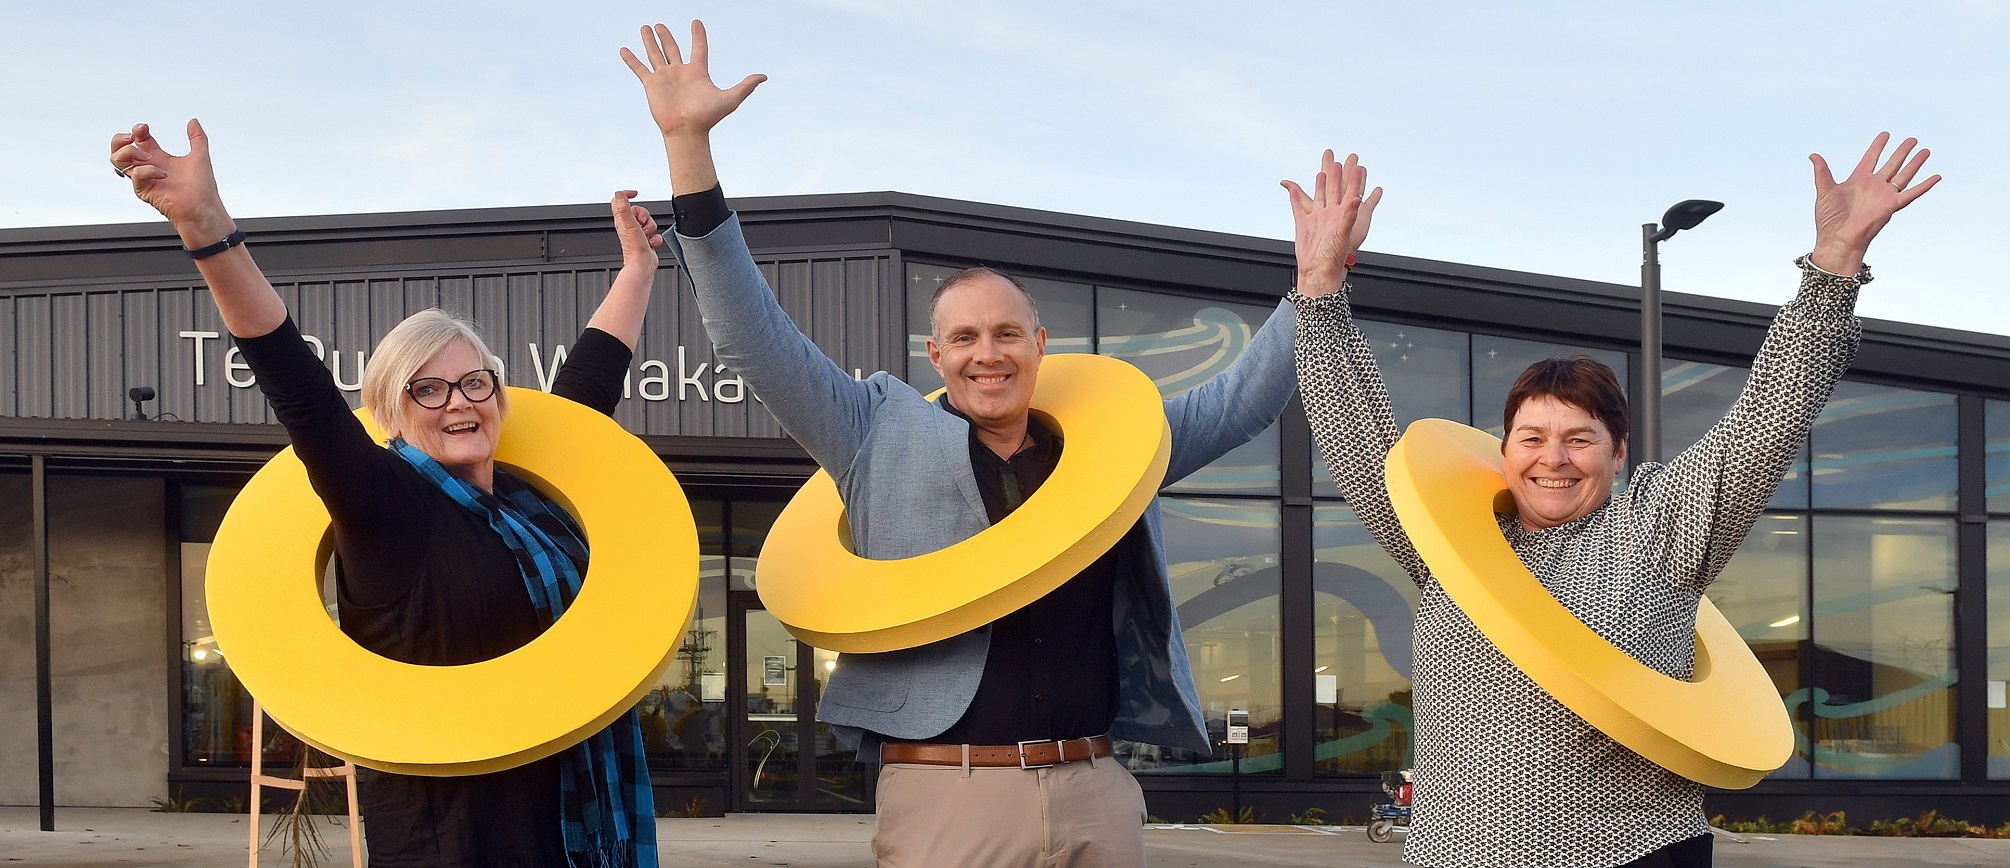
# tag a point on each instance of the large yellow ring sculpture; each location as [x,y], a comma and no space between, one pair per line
[608,649]
[1726,727]
[1118,444]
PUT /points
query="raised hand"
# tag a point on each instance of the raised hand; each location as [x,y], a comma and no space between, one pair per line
[1849,214]
[636,228]
[682,97]
[1330,224]
[621,312]
[182,188]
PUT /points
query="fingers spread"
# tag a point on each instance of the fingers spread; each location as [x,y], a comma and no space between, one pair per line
[1823,178]
[1869,161]
[1911,169]
[669,51]
[1300,203]
[745,88]
[634,63]
[1892,165]
[1907,197]
[652,46]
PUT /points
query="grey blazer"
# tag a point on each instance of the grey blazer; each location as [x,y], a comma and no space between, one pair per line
[902,466]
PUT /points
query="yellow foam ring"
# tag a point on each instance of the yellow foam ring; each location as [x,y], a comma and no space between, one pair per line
[1725,728]
[1118,444]
[609,648]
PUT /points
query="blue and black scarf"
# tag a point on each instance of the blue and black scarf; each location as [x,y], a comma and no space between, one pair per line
[609,811]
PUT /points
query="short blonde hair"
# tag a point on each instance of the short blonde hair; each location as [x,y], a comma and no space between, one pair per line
[408,347]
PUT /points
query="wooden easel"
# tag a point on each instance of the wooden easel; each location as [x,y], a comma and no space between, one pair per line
[346,770]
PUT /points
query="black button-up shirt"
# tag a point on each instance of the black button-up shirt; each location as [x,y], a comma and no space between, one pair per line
[1052,669]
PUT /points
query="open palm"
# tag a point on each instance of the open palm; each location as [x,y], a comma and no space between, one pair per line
[1851,213]
[682,97]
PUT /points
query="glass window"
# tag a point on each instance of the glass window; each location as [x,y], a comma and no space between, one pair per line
[1999,650]
[684,715]
[1364,611]
[1181,343]
[1428,375]
[17,637]
[1498,362]
[1222,556]
[1694,395]
[770,756]
[1996,422]
[1882,701]
[1763,593]
[1065,312]
[216,709]
[751,520]
[1886,448]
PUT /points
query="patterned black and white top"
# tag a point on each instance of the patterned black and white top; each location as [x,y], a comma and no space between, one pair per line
[1507,776]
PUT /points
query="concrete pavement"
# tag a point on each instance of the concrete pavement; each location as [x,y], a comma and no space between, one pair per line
[137,838]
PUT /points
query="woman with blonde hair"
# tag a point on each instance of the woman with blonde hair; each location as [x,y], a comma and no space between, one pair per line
[442,558]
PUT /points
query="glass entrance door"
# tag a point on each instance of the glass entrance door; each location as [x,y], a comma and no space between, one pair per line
[787,761]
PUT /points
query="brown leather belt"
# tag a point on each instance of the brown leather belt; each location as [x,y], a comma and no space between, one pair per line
[1025,755]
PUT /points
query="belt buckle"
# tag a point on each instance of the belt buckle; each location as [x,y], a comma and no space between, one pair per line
[1061,754]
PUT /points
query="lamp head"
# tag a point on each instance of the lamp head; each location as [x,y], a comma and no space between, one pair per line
[1687,213]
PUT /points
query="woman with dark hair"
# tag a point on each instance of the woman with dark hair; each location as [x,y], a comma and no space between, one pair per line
[442,557]
[1505,774]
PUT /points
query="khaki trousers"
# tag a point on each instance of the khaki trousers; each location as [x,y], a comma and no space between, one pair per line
[1074,815]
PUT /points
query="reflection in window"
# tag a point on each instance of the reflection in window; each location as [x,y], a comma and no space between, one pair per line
[215,707]
[1694,395]
[17,641]
[1882,700]
[770,684]
[1996,424]
[1763,593]
[1999,650]
[750,522]
[1498,362]
[1427,372]
[684,715]
[1884,447]
[1222,556]
[1064,312]
[1181,343]
[1364,610]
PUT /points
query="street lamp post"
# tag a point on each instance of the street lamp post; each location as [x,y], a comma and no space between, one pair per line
[1647,416]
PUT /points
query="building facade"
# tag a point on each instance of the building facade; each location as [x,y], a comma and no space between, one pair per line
[1876,589]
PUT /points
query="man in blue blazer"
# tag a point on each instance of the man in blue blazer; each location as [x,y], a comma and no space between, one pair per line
[957,723]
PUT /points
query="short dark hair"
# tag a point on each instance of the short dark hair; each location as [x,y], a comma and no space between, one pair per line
[969,274]
[1580,381]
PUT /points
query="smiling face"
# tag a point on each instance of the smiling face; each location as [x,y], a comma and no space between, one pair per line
[462,435]
[1559,462]
[987,348]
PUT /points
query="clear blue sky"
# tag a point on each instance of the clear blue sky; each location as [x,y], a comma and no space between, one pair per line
[1534,136]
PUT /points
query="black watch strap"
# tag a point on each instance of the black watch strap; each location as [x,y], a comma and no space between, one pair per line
[235,238]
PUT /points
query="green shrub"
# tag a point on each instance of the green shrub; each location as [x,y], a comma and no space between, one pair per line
[1222,817]
[1926,825]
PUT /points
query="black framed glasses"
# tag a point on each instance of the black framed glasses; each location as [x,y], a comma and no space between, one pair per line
[433,393]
